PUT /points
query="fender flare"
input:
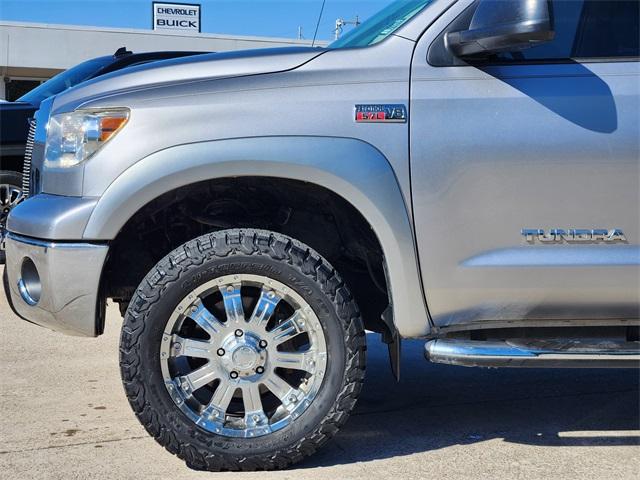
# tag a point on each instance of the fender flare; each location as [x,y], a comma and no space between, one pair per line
[351,168]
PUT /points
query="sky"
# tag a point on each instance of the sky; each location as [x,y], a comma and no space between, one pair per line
[273,18]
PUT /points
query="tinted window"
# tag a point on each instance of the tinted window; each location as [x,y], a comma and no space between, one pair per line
[588,29]
[65,80]
[16,88]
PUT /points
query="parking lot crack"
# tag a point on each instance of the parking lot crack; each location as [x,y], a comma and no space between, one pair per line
[78,444]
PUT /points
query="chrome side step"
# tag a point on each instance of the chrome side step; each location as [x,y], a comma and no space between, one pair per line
[517,353]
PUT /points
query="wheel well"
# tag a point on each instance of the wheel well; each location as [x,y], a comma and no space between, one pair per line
[312,214]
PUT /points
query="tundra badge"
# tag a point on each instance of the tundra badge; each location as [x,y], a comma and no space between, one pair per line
[573,235]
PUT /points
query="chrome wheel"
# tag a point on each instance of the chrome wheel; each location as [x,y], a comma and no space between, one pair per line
[243,355]
[10,196]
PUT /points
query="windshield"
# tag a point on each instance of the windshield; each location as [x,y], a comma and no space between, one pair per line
[64,80]
[382,24]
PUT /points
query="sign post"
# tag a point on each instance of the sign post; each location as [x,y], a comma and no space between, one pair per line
[176,17]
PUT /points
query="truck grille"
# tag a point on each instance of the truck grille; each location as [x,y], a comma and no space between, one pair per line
[26,166]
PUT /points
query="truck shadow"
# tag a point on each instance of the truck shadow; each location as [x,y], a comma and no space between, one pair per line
[573,92]
[435,406]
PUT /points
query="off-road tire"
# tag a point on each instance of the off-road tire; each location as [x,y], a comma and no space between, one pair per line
[242,251]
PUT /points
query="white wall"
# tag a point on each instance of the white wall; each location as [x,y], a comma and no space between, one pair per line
[33,45]
[42,50]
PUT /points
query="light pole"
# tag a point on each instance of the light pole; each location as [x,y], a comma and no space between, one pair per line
[340,22]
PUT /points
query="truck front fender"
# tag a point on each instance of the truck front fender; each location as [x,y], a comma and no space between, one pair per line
[353,169]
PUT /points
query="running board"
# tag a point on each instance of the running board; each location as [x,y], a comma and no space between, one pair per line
[532,353]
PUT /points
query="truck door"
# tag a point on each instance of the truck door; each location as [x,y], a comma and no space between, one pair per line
[525,172]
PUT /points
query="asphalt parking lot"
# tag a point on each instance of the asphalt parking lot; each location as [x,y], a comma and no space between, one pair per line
[64,415]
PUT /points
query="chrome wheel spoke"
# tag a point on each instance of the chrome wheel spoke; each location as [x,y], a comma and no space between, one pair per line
[264,308]
[254,415]
[205,319]
[296,360]
[198,378]
[279,388]
[219,403]
[10,195]
[251,397]
[189,347]
[287,329]
[233,303]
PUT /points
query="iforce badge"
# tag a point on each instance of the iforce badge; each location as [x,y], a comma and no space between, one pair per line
[381,114]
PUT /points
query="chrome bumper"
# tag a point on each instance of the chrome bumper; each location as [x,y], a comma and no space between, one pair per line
[56,284]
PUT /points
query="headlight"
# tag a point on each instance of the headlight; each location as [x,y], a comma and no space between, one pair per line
[73,137]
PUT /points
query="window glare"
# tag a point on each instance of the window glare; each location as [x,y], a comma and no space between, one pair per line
[382,24]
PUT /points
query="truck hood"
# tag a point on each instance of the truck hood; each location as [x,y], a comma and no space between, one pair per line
[187,69]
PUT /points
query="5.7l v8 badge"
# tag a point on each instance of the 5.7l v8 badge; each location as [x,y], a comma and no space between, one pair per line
[381,113]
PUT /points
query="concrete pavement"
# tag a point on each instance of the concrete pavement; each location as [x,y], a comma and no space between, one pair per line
[63,415]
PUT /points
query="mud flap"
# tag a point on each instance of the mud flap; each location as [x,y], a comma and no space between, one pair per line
[391,337]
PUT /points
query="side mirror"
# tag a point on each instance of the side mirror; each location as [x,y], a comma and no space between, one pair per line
[503,26]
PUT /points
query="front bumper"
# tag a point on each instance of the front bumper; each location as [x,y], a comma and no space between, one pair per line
[56,284]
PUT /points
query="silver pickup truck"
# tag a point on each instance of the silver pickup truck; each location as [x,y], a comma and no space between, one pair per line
[466,172]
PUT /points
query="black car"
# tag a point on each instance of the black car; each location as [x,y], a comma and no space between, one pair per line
[15,118]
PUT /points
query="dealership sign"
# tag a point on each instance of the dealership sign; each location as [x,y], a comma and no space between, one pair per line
[177,17]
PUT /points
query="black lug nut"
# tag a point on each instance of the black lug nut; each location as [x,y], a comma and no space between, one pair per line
[233,375]
[239,333]
[220,352]
[260,370]
[263,344]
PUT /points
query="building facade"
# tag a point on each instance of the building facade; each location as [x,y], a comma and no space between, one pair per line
[31,53]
